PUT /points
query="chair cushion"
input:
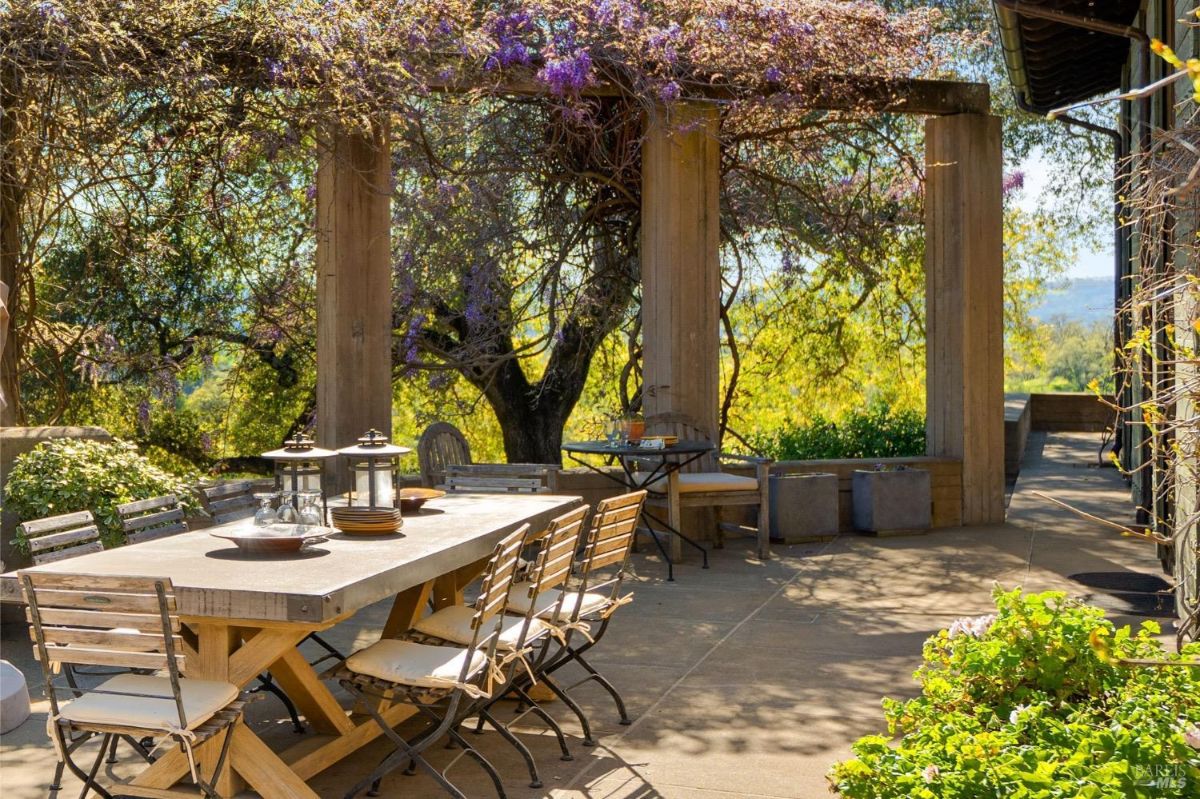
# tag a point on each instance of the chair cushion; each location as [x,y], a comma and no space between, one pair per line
[410,663]
[154,709]
[518,602]
[698,482]
[454,624]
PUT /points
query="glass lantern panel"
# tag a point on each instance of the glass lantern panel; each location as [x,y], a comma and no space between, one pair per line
[384,496]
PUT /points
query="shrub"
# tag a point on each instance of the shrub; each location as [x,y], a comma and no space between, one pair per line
[1035,702]
[69,475]
[877,432]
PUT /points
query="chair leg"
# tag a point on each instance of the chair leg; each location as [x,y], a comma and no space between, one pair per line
[535,780]
[478,757]
[593,674]
[265,683]
[575,708]
[89,778]
[537,710]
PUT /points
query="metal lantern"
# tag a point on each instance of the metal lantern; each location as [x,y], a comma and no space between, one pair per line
[299,466]
[374,464]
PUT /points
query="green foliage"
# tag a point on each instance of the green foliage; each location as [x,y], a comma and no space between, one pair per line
[174,440]
[1070,356]
[878,432]
[1035,703]
[69,475]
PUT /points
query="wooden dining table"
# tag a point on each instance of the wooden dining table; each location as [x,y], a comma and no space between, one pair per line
[247,614]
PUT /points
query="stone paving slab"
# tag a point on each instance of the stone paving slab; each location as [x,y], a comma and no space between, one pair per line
[748,679]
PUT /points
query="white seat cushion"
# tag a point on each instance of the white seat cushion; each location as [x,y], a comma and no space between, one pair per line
[154,709]
[518,602]
[454,624]
[697,482]
[410,663]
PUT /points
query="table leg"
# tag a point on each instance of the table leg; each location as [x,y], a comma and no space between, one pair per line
[406,610]
[674,515]
[217,643]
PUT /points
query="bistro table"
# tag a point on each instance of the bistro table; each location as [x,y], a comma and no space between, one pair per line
[666,462]
[246,614]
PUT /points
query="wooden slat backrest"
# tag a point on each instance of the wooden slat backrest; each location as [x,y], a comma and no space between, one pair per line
[440,446]
[147,519]
[686,428]
[108,621]
[512,485]
[61,537]
[498,577]
[611,533]
[229,501]
[557,553]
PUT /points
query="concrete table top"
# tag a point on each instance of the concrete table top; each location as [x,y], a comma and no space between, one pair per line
[325,580]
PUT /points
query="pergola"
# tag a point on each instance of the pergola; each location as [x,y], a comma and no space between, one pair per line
[681,271]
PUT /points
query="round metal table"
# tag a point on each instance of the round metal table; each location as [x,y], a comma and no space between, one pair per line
[665,460]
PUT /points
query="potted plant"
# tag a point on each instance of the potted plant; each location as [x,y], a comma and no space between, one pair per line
[892,500]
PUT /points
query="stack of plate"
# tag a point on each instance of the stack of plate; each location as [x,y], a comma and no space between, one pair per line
[366,521]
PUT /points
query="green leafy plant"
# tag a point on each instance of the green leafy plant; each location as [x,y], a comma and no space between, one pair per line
[69,475]
[1037,702]
[877,432]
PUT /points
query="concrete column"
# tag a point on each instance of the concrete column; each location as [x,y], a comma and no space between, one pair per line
[964,301]
[681,273]
[354,290]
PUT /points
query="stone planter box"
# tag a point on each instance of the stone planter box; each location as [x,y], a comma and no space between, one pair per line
[804,508]
[892,502]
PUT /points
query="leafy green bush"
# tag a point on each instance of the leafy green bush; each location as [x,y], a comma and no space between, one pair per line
[69,475]
[1035,703]
[173,440]
[876,432]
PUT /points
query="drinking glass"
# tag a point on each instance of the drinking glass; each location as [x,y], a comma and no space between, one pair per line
[287,508]
[612,432]
[310,513]
[265,515]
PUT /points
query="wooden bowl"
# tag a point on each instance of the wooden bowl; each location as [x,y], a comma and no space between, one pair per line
[411,499]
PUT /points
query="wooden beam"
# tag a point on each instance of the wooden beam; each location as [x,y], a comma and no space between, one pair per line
[681,273]
[964,285]
[832,93]
[354,296]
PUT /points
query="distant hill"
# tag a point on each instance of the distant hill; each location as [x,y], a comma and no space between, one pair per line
[1080,300]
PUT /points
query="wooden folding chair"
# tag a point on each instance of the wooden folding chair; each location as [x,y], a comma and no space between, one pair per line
[556,548]
[229,501]
[148,519]
[445,683]
[590,603]
[61,537]
[130,622]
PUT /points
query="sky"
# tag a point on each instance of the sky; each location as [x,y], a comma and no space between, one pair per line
[1091,263]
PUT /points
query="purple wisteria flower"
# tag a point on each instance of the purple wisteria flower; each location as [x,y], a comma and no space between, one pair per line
[143,414]
[567,75]
[773,75]
[1013,181]
[669,93]
[509,31]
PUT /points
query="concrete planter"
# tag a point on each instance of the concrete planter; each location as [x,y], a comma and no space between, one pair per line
[892,502]
[804,508]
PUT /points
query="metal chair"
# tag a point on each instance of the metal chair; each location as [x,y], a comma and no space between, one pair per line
[148,519]
[229,501]
[552,566]
[75,620]
[444,683]
[61,537]
[703,484]
[593,599]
